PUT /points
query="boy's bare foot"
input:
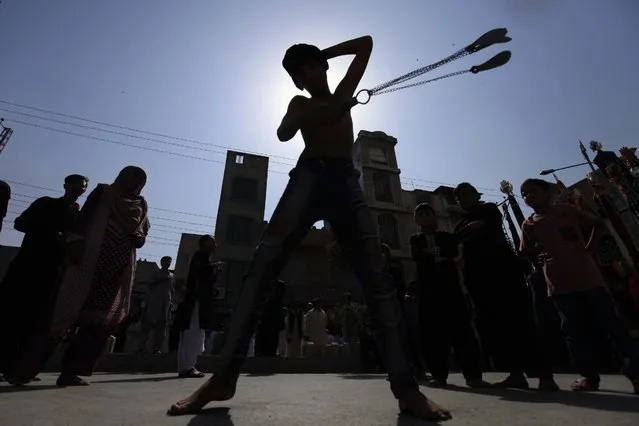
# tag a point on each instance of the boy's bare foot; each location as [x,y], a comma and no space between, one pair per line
[212,390]
[417,405]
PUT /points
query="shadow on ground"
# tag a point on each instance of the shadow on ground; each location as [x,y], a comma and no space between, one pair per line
[613,401]
[362,376]
[141,377]
[605,400]
[218,416]
[26,388]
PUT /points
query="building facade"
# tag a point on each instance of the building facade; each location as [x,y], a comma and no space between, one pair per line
[391,205]
[240,216]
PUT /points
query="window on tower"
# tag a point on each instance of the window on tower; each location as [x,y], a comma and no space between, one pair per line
[388,234]
[383,187]
[239,230]
[239,159]
[244,189]
[377,155]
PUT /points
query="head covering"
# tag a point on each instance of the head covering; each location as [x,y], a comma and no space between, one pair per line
[129,210]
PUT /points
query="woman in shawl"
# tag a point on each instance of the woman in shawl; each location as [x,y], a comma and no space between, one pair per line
[95,292]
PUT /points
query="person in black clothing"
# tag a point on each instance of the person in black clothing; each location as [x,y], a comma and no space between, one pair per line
[195,314]
[444,314]
[31,283]
[494,278]
[272,323]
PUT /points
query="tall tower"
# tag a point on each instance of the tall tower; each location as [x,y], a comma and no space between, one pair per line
[374,156]
[240,215]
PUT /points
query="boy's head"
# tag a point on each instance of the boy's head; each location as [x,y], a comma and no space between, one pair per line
[317,304]
[536,193]
[165,262]
[466,196]
[307,66]
[75,185]
[207,243]
[425,216]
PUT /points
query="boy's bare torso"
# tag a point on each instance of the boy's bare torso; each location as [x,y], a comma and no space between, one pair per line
[330,140]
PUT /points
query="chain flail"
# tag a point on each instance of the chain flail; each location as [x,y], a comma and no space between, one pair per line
[419,83]
[486,40]
[416,73]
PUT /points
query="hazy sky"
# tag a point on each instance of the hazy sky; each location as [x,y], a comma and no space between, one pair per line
[210,72]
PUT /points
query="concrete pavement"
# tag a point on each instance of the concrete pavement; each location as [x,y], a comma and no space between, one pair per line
[300,400]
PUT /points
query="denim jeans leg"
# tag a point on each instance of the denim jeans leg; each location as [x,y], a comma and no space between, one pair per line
[294,215]
[352,223]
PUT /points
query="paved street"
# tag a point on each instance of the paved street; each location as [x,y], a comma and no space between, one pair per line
[297,400]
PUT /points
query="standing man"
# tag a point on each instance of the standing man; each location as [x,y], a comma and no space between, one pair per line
[5,196]
[315,322]
[444,311]
[272,323]
[31,282]
[349,319]
[158,300]
[494,278]
[195,314]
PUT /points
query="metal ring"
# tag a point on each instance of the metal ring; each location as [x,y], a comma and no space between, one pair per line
[367,92]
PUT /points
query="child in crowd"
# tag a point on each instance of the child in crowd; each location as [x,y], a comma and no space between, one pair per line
[445,319]
[553,235]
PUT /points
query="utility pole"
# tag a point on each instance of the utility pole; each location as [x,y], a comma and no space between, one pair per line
[5,135]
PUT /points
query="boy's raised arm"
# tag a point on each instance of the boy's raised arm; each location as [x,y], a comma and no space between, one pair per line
[360,47]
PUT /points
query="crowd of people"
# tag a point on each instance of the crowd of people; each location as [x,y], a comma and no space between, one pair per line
[72,278]
[471,290]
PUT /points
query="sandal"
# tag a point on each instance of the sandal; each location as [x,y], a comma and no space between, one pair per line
[585,384]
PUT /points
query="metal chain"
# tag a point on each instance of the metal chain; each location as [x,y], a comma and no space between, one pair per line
[384,86]
[419,83]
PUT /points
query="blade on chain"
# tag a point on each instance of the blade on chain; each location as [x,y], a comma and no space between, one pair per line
[496,61]
[495,36]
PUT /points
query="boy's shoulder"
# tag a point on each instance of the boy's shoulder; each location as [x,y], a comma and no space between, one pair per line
[298,101]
